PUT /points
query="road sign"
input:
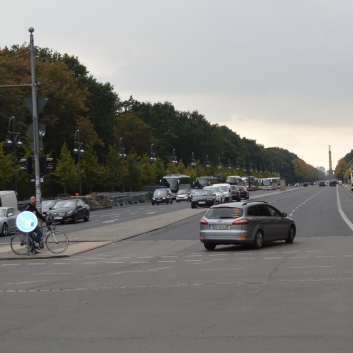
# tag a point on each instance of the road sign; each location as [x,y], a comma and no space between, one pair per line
[41,102]
[26,221]
[41,130]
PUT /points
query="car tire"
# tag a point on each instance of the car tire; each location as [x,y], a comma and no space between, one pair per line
[86,219]
[290,236]
[5,230]
[247,197]
[259,240]
[171,202]
[74,219]
[167,202]
[157,203]
[209,246]
[192,206]
[177,201]
[152,203]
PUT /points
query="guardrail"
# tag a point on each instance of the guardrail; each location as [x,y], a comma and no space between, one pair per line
[128,198]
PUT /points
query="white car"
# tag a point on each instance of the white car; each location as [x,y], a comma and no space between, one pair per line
[218,192]
[296,185]
[226,190]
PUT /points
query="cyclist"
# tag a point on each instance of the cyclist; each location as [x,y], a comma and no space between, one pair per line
[31,207]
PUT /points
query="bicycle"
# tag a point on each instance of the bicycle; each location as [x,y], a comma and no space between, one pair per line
[56,241]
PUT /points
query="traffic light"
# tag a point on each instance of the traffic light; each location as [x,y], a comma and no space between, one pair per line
[27,164]
[45,167]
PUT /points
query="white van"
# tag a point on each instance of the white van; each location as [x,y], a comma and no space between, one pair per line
[226,190]
[8,199]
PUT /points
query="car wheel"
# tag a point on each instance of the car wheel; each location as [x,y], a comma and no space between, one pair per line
[86,219]
[167,202]
[291,235]
[5,229]
[171,202]
[247,197]
[209,246]
[74,219]
[177,201]
[259,240]
[157,203]
[192,206]
[152,203]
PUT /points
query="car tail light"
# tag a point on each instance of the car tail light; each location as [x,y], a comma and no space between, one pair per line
[203,221]
[241,221]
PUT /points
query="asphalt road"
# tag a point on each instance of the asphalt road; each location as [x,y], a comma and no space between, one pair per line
[163,292]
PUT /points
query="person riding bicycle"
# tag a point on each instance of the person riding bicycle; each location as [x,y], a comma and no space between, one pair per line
[31,207]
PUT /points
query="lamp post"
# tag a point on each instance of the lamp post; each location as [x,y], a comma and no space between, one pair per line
[237,165]
[193,163]
[78,149]
[229,165]
[13,139]
[122,155]
[153,155]
[219,163]
[174,158]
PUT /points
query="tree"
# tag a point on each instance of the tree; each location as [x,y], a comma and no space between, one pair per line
[148,175]
[340,169]
[133,172]
[66,173]
[6,167]
[92,170]
[114,168]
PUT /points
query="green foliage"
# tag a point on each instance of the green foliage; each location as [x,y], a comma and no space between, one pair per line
[148,175]
[133,179]
[114,168]
[92,170]
[66,172]
[6,167]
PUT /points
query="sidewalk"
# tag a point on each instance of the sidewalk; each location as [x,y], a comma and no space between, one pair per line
[86,240]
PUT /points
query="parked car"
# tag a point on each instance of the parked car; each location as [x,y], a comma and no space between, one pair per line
[47,205]
[296,185]
[305,184]
[203,198]
[182,195]
[164,195]
[235,193]
[218,193]
[244,193]
[226,190]
[8,216]
[253,223]
[69,210]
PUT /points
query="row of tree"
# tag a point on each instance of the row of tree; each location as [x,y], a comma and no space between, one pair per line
[77,101]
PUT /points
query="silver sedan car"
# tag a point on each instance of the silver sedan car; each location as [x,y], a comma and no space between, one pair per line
[8,216]
[252,223]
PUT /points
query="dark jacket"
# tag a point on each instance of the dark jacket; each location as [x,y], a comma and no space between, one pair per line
[34,210]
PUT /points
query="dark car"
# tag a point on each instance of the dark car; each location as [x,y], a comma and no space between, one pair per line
[69,210]
[203,198]
[235,193]
[305,184]
[244,193]
[322,183]
[332,183]
[253,223]
[47,205]
[191,193]
[162,196]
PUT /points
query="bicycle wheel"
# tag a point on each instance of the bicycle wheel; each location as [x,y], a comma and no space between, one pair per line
[57,242]
[19,243]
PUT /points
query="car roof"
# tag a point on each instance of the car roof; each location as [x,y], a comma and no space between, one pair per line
[239,204]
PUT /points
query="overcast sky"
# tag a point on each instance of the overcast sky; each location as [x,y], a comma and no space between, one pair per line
[278,72]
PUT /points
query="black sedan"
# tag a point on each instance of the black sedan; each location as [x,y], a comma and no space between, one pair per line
[69,210]
[244,193]
[203,198]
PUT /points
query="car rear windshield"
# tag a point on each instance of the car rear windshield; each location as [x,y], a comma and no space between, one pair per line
[160,192]
[224,212]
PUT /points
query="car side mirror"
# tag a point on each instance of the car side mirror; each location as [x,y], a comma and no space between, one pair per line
[10,214]
[284,214]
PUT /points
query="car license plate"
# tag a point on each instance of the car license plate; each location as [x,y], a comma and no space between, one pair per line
[202,202]
[58,217]
[220,226]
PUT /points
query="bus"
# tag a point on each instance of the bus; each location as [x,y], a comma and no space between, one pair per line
[202,181]
[175,182]
[253,185]
[270,183]
[234,180]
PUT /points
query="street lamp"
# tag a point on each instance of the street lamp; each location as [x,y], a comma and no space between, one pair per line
[229,166]
[78,149]
[122,155]
[13,139]
[237,165]
[153,155]
[219,163]
[174,158]
[193,163]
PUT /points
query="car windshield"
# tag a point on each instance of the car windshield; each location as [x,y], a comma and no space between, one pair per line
[224,188]
[48,204]
[160,192]
[65,204]
[224,212]
[203,193]
[214,189]
[2,213]
[184,191]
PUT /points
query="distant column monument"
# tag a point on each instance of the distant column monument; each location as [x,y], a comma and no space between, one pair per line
[330,171]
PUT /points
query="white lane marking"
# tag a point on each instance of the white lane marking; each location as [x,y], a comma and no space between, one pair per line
[219,259]
[291,215]
[218,255]
[192,255]
[314,250]
[88,263]
[167,261]
[298,257]
[96,258]
[169,256]
[109,221]
[192,260]
[145,257]
[9,264]
[121,257]
[311,267]
[49,273]
[44,280]
[246,258]
[343,215]
[61,263]
[151,212]
[139,262]
[36,263]
[272,258]
[114,262]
